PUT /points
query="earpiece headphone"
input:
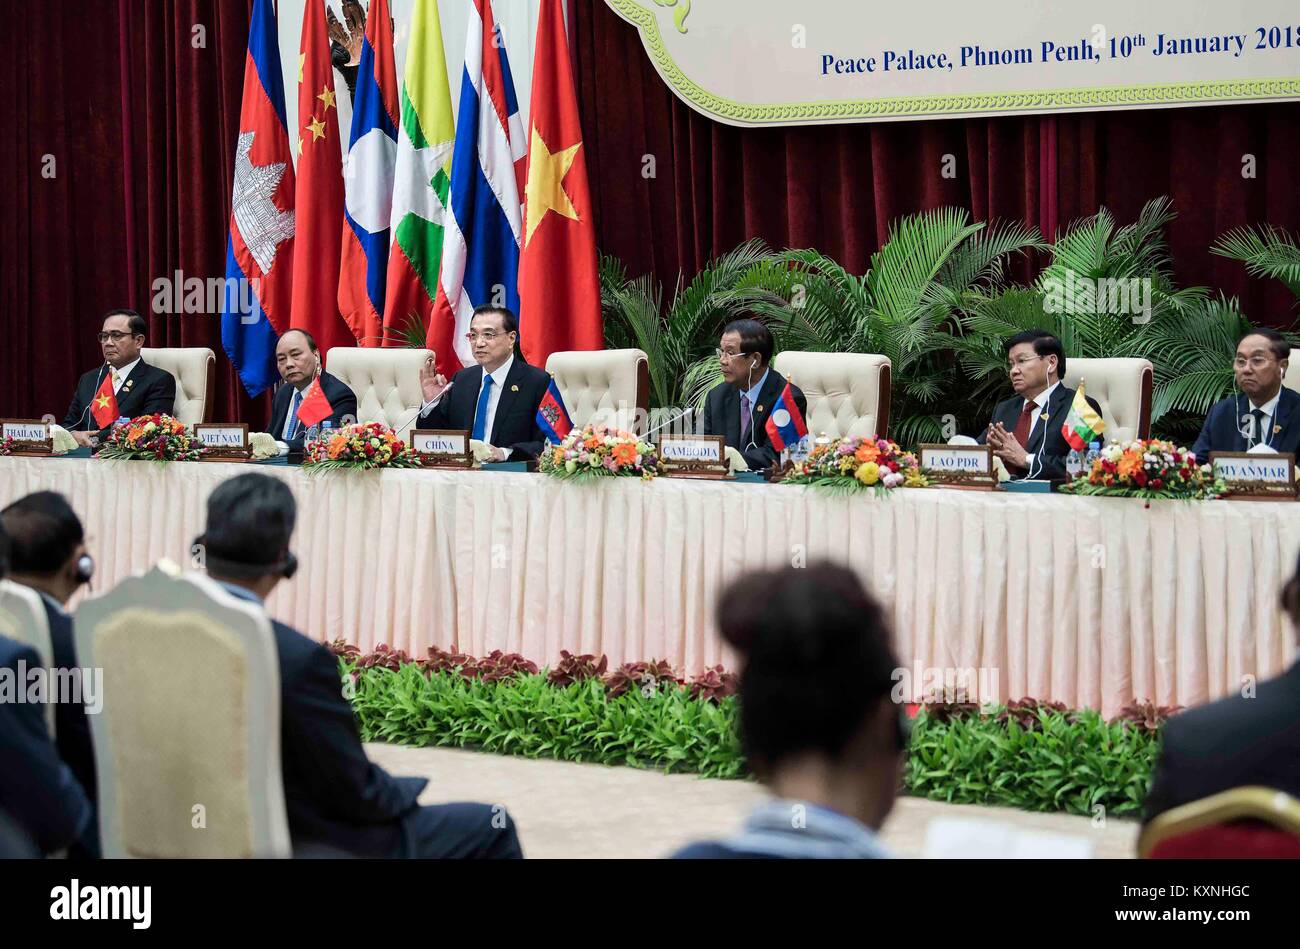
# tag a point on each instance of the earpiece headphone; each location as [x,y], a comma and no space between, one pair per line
[85,569]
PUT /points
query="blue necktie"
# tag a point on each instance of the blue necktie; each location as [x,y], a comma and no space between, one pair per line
[293,415]
[480,414]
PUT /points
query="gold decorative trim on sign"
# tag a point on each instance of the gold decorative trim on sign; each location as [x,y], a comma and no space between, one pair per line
[951,106]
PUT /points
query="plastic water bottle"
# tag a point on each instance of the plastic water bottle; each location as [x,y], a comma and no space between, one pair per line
[123,420]
[1073,463]
[313,433]
[326,428]
[1094,450]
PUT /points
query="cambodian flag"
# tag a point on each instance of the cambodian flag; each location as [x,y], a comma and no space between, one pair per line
[368,181]
[785,424]
[480,246]
[259,250]
[552,417]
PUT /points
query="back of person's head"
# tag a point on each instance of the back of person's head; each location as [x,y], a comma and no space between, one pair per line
[44,533]
[1291,598]
[818,662]
[250,522]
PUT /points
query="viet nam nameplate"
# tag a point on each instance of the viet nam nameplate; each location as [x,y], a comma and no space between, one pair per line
[694,456]
[1251,476]
[223,441]
[959,466]
[30,437]
[442,448]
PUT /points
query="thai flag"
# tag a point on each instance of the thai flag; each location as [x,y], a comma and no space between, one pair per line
[552,417]
[785,424]
[259,250]
[368,181]
[480,249]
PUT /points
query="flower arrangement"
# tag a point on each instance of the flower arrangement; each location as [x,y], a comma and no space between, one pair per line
[7,445]
[856,462]
[1147,469]
[364,446]
[597,451]
[158,438]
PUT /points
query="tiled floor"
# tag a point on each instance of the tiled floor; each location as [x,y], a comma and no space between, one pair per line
[586,810]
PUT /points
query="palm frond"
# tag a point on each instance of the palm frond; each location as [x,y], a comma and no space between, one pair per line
[1266,252]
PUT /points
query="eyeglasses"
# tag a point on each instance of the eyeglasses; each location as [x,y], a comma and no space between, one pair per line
[1255,362]
[723,355]
[487,337]
[115,336]
[1021,362]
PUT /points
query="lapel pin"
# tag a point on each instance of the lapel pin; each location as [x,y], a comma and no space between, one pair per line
[1276,429]
[760,408]
[514,388]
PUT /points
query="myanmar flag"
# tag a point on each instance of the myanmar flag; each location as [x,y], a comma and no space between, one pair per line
[422,179]
[1083,425]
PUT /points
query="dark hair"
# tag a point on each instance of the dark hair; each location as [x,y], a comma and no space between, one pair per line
[44,532]
[1045,344]
[134,322]
[1276,341]
[508,318]
[311,340]
[1290,596]
[250,522]
[818,658]
[754,337]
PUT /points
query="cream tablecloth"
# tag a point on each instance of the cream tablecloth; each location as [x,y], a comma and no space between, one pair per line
[1086,601]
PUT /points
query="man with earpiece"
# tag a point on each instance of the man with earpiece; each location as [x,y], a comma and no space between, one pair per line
[299,362]
[738,407]
[48,554]
[1262,413]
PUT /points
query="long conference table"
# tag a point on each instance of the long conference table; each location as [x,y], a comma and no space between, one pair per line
[1092,602]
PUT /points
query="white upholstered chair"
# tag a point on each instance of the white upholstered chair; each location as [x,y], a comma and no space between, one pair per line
[195,372]
[604,387]
[187,745]
[847,393]
[22,618]
[1292,378]
[1122,387]
[386,382]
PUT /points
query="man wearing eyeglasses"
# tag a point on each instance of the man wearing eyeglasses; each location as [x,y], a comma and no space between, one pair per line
[496,400]
[139,388]
[738,407]
[1026,428]
[1262,414]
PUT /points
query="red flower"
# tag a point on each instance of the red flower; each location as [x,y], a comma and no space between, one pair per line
[1157,484]
[893,466]
[1140,477]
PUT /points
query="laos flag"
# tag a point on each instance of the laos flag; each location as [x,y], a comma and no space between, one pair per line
[785,424]
[368,181]
[259,250]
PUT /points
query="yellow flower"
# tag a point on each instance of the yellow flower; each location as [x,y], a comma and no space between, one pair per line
[869,473]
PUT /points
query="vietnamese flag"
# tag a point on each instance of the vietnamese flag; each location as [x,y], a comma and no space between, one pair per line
[314,407]
[559,290]
[103,405]
[319,193]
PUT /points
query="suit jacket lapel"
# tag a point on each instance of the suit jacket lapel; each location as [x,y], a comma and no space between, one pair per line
[730,409]
[1046,418]
[509,392]
[1282,417]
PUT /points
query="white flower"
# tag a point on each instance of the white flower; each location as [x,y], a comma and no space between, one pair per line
[570,466]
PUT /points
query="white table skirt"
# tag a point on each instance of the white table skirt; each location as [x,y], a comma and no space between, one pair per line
[1086,601]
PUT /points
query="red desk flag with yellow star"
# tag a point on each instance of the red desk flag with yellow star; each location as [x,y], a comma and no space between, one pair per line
[319,194]
[559,290]
[103,404]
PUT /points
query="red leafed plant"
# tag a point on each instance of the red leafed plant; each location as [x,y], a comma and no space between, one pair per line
[571,668]
[947,711]
[640,675]
[497,666]
[345,650]
[1025,712]
[441,660]
[384,657]
[1145,715]
[714,684]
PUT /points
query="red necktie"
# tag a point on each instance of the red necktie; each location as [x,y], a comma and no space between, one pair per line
[1024,426]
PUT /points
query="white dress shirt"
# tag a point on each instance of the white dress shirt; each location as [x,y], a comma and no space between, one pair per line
[120,375]
[1040,403]
[1265,434]
[494,398]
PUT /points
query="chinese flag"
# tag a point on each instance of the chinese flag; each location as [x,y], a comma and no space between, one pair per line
[103,405]
[319,195]
[559,290]
[314,406]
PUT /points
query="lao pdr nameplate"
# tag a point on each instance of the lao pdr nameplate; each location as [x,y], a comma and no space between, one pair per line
[440,448]
[1259,477]
[224,441]
[30,437]
[959,466]
[694,456]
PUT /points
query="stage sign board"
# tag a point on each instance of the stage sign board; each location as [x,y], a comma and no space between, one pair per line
[770,62]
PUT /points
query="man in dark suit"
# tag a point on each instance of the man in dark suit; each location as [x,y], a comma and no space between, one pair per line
[1237,741]
[495,400]
[48,554]
[336,800]
[38,792]
[1264,413]
[738,408]
[1026,428]
[140,389]
[298,360]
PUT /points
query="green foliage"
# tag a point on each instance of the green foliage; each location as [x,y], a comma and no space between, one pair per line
[1067,762]
[1267,252]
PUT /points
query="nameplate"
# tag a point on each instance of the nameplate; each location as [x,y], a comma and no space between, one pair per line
[694,456]
[959,466]
[1264,477]
[439,448]
[31,437]
[223,441]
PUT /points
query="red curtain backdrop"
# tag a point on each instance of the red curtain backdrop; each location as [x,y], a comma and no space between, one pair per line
[837,188]
[141,126]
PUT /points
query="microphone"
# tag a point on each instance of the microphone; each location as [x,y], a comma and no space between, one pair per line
[420,408]
[661,427]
